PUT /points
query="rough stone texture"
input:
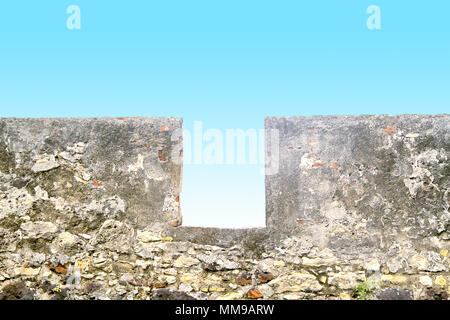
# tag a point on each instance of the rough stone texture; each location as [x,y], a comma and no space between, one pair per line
[106,166]
[359,209]
[364,184]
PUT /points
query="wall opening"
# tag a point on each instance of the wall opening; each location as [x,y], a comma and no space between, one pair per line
[223,176]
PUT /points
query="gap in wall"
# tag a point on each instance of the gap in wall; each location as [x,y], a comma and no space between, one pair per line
[222,195]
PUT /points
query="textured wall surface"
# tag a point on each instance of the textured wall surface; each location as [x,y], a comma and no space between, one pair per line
[96,165]
[360,184]
[358,208]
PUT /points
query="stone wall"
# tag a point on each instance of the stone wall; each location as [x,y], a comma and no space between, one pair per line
[358,208]
[367,194]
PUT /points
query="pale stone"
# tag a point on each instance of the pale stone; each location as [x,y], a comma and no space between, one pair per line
[428,261]
[188,278]
[24,271]
[426,281]
[419,262]
[324,257]
[147,236]
[394,279]
[146,250]
[185,262]
[373,265]
[113,235]
[212,279]
[221,262]
[296,282]
[99,261]
[82,265]
[318,262]
[143,263]
[40,193]
[279,263]
[266,265]
[231,296]
[440,281]
[66,239]
[115,282]
[266,290]
[346,280]
[171,271]
[294,296]
[171,279]
[39,229]
[216,289]
[395,264]
[86,176]
[226,264]
[45,164]
[67,156]
[185,287]
[412,135]
[345,296]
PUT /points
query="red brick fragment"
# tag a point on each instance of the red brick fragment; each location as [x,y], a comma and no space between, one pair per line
[264,277]
[244,279]
[174,223]
[254,294]
[334,165]
[96,183]
[161,157]
[318,164]
[388,129]
[160,285]
[61,269]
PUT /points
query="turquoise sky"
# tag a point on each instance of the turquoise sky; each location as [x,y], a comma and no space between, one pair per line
[227,63]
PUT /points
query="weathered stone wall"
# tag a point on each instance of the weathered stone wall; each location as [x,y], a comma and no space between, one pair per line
[368,193]
[89,208]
